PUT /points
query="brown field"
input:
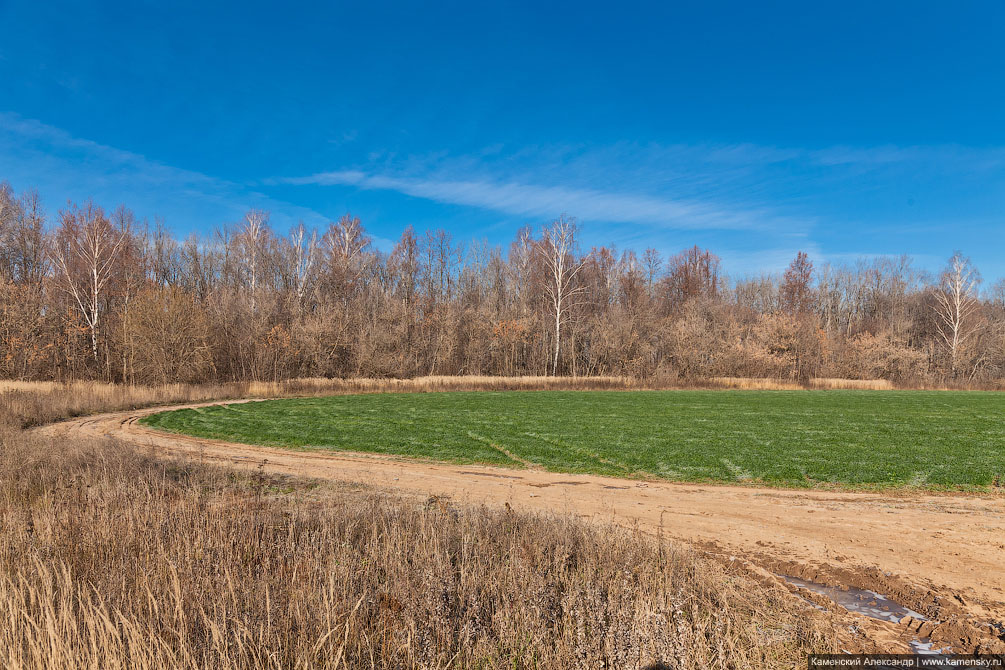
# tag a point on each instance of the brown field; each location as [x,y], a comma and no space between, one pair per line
[119,547]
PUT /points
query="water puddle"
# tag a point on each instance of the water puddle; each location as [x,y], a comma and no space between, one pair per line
[870,604]
[924,647]
[860,601]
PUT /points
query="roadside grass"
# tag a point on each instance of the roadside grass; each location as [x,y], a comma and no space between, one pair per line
[826,438]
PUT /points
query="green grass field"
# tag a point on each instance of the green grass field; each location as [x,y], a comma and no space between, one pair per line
[933,439]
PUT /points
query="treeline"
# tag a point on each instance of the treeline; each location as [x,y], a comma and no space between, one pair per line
[92,294]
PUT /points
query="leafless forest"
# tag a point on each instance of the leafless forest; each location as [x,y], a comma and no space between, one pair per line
[88,294]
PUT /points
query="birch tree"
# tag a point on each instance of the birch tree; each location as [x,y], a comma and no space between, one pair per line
[303,254]
[85,250]
[253,235]
[345,245]
[956,306]
[520,265]
[558,250]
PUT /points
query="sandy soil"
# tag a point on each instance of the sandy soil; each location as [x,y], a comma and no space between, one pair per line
[940,555]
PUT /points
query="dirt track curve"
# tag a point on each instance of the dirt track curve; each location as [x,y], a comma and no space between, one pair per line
[936,553]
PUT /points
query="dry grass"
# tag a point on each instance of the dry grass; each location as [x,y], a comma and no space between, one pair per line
[14,385]
[755,384]
[26,407]
[111,558]
[864,384]
[443,383]
[27,404]
[766,384]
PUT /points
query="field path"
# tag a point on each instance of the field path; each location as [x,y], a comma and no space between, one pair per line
[943,549]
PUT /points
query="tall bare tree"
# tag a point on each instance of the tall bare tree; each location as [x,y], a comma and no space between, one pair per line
[693,273]
[558,250]
[653,263]
[28,241]
[346,244]
[9,212]
[252,237]
[521,263]
[956,306]
[796,291]
[85,250]
[303,253]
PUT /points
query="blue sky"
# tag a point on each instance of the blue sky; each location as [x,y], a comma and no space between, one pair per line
[754,129]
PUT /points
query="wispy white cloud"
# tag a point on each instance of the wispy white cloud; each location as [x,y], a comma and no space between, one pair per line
[64,167]
[523,199]
[701,187]
[754,205]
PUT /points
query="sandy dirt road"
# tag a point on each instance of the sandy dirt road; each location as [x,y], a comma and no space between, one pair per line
[938,554]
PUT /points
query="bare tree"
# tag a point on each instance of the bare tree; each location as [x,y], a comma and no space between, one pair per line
[796,291]
[28,241]
[9,211]
[521,257]
[346,244]
[85,251]
[304,252]
[693,273]
[653,264]
[253,234]
[131,272]
[440,267]
[956,305]
[558,249]
[404,266]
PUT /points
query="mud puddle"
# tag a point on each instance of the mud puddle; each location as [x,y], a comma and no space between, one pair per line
[923,646]
[860,601]
[870,604]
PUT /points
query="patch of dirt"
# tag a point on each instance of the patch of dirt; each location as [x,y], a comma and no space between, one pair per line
[942,556]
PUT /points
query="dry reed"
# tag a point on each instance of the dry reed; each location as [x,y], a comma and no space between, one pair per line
[865,384]
[768,384]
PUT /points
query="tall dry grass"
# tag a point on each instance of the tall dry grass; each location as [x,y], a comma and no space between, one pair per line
[755,384]
[111,558]
[864,384]
[27,404]
[768,384]
[27,407]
